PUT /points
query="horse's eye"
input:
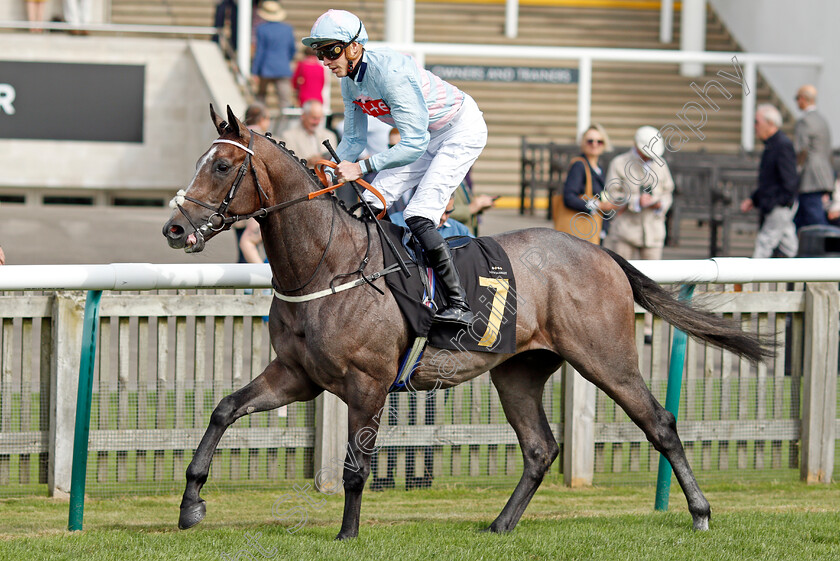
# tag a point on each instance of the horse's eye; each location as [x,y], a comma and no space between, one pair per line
[222,167]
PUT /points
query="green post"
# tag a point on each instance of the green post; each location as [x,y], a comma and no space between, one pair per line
[83,399]
[672,404]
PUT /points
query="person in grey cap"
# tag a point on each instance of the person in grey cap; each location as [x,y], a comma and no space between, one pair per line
[640,183]
[442,133]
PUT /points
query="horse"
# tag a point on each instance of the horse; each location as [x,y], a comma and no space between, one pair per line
[577,306]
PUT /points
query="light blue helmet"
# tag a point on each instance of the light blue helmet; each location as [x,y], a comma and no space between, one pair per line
[336,25]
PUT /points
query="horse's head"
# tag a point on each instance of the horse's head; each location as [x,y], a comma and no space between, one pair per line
[224,189]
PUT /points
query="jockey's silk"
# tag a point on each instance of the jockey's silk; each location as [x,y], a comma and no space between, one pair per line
[395,89]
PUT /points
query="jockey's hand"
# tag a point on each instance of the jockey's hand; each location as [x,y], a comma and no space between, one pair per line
[348,171]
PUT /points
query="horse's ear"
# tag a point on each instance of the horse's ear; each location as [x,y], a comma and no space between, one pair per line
[218,122]
[234,125]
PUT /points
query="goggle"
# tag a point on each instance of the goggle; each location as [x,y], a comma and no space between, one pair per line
[333,52]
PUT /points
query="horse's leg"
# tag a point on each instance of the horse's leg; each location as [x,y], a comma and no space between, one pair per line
[275,387]
[366,413]
[617,374]
[520,381]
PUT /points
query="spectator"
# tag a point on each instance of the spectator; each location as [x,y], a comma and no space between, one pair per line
[308,79]
[306,136]
[644,188]
[448,226]
[775,197]
[78,13]
[638,229]
[257,118]
[35,13]
[469,206]
[584,183]
[2,257]
[834,205]
[274,52]
[812,142]
[442,132]
[250,241]
[226,10]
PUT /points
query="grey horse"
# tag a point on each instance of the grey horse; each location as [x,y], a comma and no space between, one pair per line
[576,306]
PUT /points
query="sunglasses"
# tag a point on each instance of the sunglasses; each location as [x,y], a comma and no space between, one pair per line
[333,52]
[448,212]
[599,142]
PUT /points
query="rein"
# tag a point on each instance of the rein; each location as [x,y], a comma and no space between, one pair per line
[220,220]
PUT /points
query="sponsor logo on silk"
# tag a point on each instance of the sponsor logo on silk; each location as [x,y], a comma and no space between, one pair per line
[373,107]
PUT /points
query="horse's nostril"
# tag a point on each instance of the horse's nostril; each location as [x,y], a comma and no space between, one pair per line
[173,231]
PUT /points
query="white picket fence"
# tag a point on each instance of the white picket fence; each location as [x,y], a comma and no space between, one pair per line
[166,358]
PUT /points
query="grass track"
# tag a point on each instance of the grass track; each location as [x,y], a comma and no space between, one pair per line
[757,521]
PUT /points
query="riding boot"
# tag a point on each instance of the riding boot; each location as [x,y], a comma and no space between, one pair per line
[440,258]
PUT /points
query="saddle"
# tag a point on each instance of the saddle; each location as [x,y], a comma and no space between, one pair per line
[487,277]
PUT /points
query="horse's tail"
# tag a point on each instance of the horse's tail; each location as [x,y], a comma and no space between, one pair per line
[721,332]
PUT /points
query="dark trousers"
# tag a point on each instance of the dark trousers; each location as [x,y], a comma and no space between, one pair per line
[810,211]
[225,9]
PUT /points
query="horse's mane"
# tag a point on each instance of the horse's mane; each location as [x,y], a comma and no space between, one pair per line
[302,163]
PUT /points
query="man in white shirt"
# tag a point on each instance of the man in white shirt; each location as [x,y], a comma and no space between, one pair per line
[305,136]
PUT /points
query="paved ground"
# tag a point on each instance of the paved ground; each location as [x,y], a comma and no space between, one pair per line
[63,234]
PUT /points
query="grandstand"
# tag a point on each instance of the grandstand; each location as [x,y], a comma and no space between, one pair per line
[624,95]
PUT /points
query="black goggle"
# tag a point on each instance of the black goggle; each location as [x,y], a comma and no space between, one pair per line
[333,52]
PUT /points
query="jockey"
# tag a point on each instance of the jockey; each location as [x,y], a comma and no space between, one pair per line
[442,133]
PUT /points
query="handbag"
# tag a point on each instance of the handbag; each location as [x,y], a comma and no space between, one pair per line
[579,224]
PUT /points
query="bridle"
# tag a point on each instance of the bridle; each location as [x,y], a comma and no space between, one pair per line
[220,220]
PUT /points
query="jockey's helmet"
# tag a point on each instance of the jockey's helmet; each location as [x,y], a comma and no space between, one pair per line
[336,25]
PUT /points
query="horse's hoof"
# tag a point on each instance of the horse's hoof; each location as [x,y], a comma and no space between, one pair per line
[496,529]
[342,536]
[192,515]
[701,522]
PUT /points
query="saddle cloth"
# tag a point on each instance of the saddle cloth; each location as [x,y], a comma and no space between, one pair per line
[487,277]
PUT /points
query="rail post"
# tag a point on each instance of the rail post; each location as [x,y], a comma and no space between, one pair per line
[672,404]
[83,398]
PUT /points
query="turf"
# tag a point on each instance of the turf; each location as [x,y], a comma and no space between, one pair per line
[755,521]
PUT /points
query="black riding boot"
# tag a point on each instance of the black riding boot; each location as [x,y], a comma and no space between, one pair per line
[439,257]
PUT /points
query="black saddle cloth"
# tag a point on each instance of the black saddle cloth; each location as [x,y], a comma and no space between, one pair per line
[487,277]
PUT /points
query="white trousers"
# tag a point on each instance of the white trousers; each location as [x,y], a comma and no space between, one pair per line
[777,231]
[451,153]
[78,12]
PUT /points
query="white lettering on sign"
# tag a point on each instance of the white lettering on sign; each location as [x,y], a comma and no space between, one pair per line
[7,98]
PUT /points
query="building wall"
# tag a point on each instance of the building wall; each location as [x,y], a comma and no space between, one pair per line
[182,78]
[807,27]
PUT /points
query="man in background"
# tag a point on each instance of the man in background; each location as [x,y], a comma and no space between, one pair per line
[775,197]
[305,136]
[812,143]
